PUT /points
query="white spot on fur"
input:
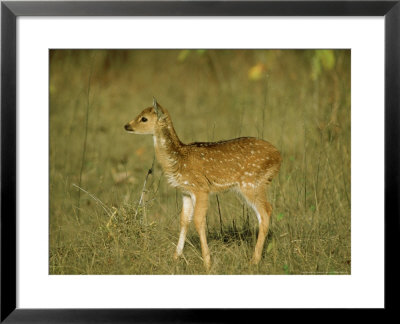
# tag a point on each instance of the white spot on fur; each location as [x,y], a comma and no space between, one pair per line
[227,184]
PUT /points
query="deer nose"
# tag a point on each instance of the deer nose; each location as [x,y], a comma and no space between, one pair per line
[128,128]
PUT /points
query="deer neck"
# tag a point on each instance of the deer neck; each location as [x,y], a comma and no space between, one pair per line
[167,147]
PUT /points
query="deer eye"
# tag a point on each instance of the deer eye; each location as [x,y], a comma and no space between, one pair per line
[144,119]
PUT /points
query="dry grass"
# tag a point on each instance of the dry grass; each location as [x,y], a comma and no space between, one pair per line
[297,100]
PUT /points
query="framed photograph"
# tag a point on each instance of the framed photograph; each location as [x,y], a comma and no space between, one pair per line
[181,160]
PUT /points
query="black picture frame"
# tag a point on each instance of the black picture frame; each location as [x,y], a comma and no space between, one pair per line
[11,10]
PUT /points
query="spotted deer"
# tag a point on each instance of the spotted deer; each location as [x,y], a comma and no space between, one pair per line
[244,164]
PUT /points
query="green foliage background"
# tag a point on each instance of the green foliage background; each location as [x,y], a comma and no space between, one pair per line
[299,100]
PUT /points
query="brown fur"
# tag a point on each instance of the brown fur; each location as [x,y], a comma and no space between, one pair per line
[245,164]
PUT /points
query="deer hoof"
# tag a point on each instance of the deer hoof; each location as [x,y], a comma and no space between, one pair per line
[254,260]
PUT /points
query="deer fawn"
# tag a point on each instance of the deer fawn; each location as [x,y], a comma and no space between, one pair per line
[245,164]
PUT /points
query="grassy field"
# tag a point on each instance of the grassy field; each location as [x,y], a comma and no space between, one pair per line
[298,100]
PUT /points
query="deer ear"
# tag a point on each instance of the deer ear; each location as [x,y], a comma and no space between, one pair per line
[155,106]
[157,109]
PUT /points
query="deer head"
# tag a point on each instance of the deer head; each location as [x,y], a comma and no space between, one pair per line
[147,120]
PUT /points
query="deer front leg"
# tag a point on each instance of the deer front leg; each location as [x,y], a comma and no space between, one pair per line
[200,210]
[186,217]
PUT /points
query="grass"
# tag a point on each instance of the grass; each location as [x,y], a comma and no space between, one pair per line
[298,100]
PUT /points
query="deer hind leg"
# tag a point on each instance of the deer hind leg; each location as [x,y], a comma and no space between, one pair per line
[199,217]
[186,217]
[257,200]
